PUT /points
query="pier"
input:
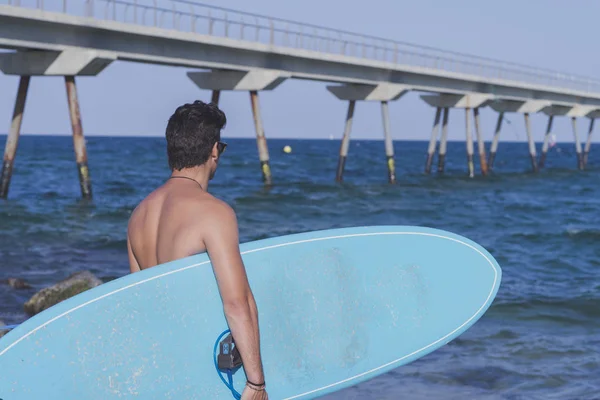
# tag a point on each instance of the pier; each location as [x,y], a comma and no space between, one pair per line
[227,50]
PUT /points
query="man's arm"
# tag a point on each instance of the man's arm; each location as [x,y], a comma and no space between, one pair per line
[222,245]
[133,264]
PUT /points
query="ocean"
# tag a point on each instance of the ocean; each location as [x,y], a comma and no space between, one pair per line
[540,339]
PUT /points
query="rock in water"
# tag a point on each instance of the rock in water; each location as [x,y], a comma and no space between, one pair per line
[77,283]
[2,333]
[17,283]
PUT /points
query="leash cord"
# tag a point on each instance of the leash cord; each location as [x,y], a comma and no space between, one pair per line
[229,385]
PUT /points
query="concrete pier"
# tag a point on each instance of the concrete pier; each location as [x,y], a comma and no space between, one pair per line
[81,41]
[78,139]
[253,81]
[494,146]
[443,142]
[588,143]
[68,63]
[216,94]
[524,107]
[466,101]
[433,140]
[261,141]
[577,144]
[469,143]
[389,145]
[532,152]
[345,142]
[573,111]
[383,93]
[12,140]
[546,141]
[480,144]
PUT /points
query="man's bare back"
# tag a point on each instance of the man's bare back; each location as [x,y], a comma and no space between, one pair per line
[180,218]
[172,223]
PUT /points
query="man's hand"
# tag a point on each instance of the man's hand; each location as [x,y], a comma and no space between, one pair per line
[222,245]
[251,394]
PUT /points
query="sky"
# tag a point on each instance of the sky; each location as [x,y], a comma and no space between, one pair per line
[137,99]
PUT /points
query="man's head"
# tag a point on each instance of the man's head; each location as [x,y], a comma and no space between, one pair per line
[193,135]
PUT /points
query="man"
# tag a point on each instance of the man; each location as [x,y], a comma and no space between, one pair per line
[181,218]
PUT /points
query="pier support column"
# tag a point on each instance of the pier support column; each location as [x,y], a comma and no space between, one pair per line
[261,141]
[443,142]
[480,144]
[494,146]
[588,143]
[251,81]
[532,152]
[12,139]
[574,111]
[466,101]
[345,142]
[470,163]
[67,64]
[433,140]
[383,93]
[577,144]
[216,94]
[546,140]
[78,139]
[524,107]
[389,145]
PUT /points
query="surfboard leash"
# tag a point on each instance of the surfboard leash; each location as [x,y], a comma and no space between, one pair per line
[7,327]
[228,359]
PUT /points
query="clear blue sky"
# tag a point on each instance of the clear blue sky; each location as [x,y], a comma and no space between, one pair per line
[137,99]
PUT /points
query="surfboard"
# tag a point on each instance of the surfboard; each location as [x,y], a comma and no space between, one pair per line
[336,307]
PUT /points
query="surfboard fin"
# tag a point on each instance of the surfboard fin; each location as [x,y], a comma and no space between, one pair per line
[229,356]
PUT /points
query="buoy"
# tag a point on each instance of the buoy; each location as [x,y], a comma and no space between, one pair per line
[287,149]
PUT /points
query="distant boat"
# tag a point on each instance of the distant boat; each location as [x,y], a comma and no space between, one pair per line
[552,140]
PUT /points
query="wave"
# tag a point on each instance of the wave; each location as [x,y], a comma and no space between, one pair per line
[565,310]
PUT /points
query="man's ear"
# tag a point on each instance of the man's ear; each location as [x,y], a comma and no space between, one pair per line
[215,151]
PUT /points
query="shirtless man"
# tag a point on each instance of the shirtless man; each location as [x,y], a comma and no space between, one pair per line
[181,218]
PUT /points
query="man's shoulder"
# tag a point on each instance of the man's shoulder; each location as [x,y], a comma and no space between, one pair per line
[218,208]
[204,207]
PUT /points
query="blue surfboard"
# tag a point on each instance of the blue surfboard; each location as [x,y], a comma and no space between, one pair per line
[336,307]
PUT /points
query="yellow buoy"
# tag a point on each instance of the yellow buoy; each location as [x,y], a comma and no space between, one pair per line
[287,149]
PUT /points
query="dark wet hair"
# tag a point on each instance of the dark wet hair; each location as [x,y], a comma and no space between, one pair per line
[191,133]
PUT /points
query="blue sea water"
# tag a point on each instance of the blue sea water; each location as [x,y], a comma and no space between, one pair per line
[539,340]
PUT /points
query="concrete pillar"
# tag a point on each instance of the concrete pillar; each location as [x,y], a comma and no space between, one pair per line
[494,147]
[252,81]
[480,144]
[574,111]
[78,139]
[433,140]
[216,94]
[383,93]
[345,142]
[389,145]
[577,144]
[68,64]
[469,144]
[546,140]
[12,140]
[588,143]
[532,152]
[466,101]
[261,141]
[443,142]
[524,107]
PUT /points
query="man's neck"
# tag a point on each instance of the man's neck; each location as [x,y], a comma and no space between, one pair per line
[198,174]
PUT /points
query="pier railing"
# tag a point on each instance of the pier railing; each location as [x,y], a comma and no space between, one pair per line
[195,17]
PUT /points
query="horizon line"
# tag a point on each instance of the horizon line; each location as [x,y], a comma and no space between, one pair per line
[87,135]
